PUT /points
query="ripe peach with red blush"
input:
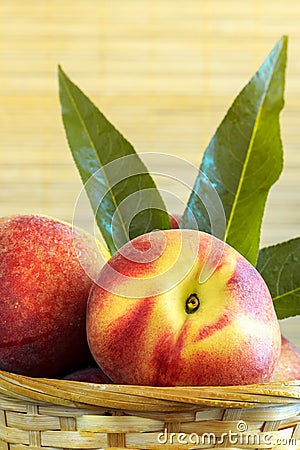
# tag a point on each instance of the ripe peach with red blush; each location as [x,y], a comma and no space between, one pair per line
[288,367]
[180,307]
[44,291]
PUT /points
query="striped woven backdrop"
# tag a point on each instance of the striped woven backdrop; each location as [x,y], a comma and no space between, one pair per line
[163,71]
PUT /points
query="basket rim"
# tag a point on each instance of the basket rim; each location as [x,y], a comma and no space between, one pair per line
[146,398]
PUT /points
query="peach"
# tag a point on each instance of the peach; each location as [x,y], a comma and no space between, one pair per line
[174,220]
[88,375]
[180,307]
[44,291]
[288,367]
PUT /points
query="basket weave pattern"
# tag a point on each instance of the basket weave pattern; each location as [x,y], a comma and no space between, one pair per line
[57,414]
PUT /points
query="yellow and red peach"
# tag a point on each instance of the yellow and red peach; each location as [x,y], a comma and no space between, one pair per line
[180,307]
[44,291]
[288,367]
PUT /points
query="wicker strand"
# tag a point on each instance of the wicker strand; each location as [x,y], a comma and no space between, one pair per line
[3,424]
[42,414]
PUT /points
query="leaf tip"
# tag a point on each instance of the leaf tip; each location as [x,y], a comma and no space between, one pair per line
[60,71]
[283,42]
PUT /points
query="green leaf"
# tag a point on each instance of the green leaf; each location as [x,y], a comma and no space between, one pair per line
[122,194]
[279,266]
[244,158]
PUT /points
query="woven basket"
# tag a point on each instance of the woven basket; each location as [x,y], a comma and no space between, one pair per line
[38,413]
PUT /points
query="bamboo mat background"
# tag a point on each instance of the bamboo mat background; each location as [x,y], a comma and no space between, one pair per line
[164,72]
